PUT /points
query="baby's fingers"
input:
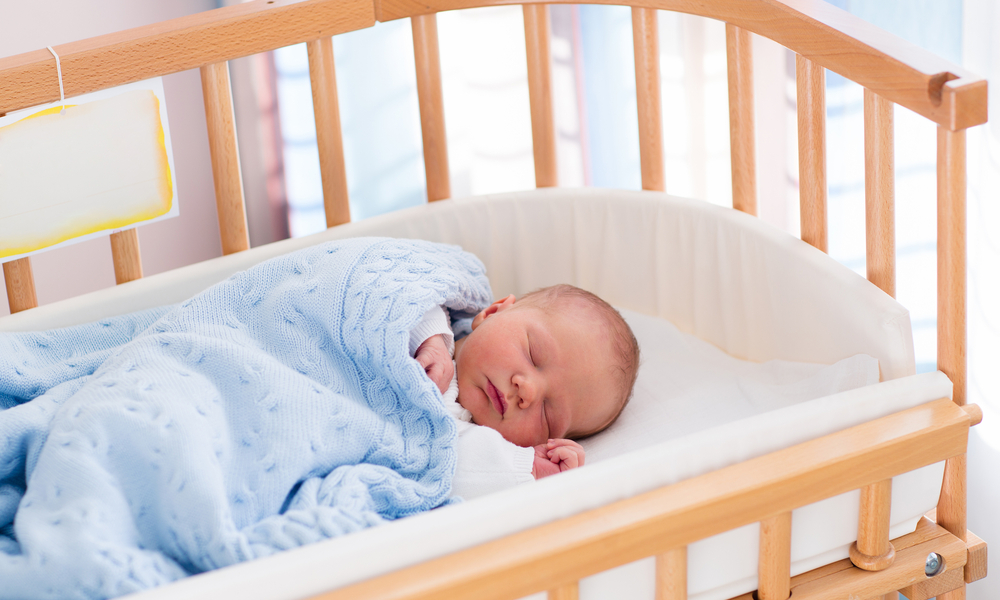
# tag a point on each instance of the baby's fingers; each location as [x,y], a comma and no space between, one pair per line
[568,445]
[566,457]
[424,359]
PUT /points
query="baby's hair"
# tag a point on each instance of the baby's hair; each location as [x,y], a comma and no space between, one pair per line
[624,346]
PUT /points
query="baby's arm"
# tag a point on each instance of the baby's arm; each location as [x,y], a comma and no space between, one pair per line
[434,357]
[556,456]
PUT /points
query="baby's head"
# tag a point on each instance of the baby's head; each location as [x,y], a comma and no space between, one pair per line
[557,363]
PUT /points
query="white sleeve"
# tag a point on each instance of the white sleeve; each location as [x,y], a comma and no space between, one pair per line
[488,463]
[435,321]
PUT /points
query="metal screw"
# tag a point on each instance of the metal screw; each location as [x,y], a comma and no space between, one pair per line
[934,564]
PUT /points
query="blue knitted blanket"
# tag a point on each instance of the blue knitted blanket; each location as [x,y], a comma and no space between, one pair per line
[275,409]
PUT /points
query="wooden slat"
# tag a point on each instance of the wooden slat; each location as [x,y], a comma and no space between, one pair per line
[646,41]
[425,51]
[570,591]
[671,574]
[20,283]
[739,57]
[176,45]
[880,229]
[873,551]
[125,255]
[775,558]
[831,37]
[221,121]
[329,140]
[567,550]
[543,125]
[810,83]
[951,263]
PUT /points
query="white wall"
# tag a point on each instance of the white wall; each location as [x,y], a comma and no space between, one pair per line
[191,237]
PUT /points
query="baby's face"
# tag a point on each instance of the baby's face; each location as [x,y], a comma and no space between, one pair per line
[535,375]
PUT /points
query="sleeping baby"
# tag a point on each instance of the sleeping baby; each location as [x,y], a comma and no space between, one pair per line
[281,407]
[535,373]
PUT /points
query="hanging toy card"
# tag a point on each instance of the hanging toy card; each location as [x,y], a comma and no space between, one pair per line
[84,167]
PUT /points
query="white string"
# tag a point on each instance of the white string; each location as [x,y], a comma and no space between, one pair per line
[62,94]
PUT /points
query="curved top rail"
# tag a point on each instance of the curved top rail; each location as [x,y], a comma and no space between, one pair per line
[176,45]
[832,38]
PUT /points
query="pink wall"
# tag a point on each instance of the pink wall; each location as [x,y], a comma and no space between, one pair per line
[191,237]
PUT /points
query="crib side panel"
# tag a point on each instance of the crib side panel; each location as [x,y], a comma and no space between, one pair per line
[560,553]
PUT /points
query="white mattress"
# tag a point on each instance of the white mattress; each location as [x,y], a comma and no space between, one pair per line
[736,284]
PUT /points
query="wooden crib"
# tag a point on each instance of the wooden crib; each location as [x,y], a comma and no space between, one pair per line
[663,522]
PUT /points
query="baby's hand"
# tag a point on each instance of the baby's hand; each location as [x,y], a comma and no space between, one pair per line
[556,456]
[434,357]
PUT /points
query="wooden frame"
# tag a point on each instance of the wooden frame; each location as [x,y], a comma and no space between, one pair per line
[662,522]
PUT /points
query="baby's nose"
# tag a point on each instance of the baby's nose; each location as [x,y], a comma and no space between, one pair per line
[526,392]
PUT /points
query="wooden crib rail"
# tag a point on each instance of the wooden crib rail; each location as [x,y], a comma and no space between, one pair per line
[557,555]
[176,45]
[832,38]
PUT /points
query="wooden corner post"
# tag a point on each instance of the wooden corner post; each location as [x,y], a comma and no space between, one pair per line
[951,358]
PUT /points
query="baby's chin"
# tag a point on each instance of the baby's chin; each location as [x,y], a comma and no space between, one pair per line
[462,404]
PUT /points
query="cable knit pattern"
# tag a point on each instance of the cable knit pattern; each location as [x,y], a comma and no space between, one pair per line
[275,409]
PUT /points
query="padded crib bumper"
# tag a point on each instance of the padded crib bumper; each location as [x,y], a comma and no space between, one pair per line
[726,277]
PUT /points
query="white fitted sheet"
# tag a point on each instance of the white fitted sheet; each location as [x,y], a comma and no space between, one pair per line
[686,385]
[717,274]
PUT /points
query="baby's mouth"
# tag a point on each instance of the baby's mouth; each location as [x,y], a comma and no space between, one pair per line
[496,397]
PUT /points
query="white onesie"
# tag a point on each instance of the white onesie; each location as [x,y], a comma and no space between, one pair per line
[486,461]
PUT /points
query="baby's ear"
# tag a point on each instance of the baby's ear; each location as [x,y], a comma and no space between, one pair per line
[492,309]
